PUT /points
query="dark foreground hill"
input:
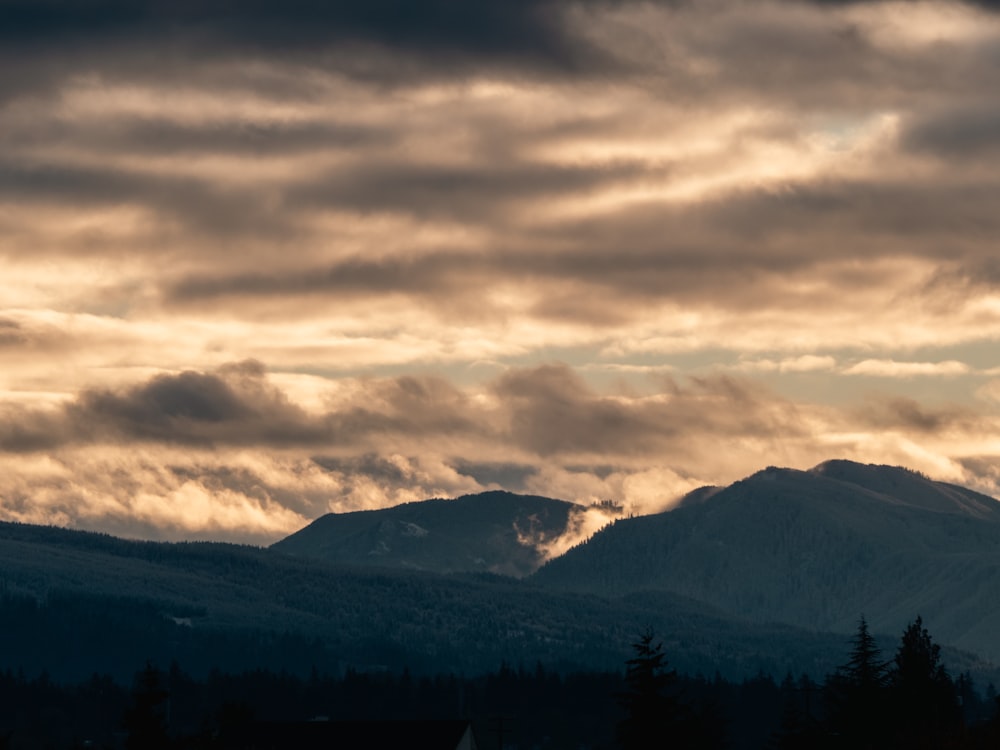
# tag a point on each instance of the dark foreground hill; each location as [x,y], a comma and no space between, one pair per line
[814,549]
[76,603]
[496,532]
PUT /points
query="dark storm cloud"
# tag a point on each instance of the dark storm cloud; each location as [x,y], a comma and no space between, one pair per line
[356,275]
[26,431]
[154,138]
[912,416]
[892,209]
[551,410]
[233,406]
[392,40]
[450,280]
[734,253]
[960,133]
[987,4]
[546,410]
[408,407]
[451,30]
[192,203]
[484,28]
[469,193]
[369,465]
[508,475]
[957,280]
[729,249]
[11,333]
[45,42]
[641,267]
[985,469]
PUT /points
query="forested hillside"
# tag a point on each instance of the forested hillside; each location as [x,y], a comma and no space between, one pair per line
[813,549]
[76,603]
[767,574]
[496,532]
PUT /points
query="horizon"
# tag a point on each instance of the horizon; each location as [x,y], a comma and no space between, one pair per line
[591,518]
[267,262]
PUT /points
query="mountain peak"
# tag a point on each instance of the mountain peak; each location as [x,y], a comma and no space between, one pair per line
[811,547]
[903,486]
[494,531]
[842,468]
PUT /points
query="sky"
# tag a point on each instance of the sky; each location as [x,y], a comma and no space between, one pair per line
[264,260]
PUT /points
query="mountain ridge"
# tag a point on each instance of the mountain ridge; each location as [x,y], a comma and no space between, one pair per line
[76,603]
[495,531]
[814,549]
[761,574]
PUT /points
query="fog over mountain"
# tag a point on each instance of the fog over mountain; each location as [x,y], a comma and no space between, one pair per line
[771,572]
[813,548]
[495,532]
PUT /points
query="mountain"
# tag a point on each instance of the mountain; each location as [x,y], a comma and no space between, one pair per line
[813,549]
[770,573]
[496,532]
[74,604]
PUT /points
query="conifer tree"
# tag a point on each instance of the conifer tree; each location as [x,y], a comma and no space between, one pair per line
[857,693]
[651,707]
[924,698]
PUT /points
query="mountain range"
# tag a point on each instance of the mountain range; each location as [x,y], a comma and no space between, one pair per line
[770,573]
[814,548]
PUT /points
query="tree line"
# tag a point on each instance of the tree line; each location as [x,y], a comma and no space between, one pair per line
[909,702]
[906,701]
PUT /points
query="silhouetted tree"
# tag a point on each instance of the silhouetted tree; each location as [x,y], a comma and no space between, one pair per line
[650,701]
[926,709]
[857,694]
[145,720]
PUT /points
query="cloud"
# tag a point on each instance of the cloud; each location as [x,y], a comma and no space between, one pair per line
[803,363]
[990,391]
[888,368]
[615,206]
[231,453]
[581,524]
[965,133]
[551,411]
[438,35]
[234,405]
[407,210]
[981,473]
[909,415]
[510,476]
[547,410]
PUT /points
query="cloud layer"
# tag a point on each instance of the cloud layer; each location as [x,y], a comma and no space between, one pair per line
[264,260]
[229,452]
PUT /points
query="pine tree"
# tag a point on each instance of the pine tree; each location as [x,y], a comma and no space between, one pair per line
[865,669]
[924,697]
[857,693]
[650,702]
